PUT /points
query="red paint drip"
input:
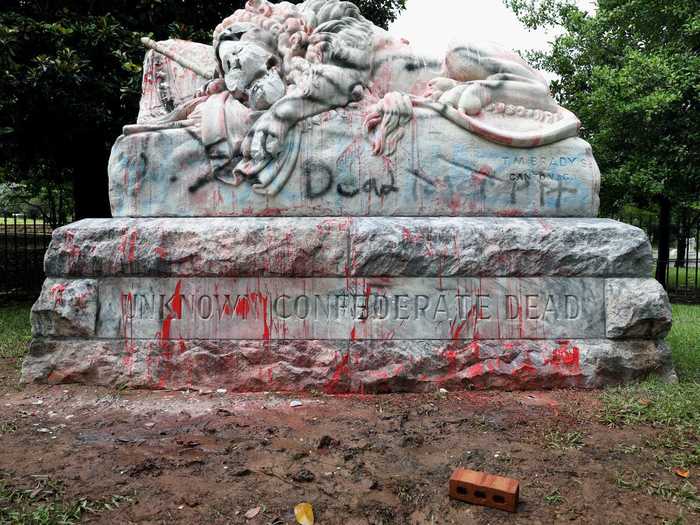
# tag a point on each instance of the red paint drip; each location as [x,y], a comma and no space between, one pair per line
[132,247]
[343,369]
[165,332]
[242,308]
[456,329]
[177,300]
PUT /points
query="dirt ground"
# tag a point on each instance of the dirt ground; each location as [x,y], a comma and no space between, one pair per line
[210,457]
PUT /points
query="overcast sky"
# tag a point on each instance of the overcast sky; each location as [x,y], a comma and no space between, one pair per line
[431,25]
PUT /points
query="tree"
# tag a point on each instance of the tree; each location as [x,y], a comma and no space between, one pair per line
[71,74]
[631,72]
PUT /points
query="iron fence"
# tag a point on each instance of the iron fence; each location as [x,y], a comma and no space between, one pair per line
[682,276]
[23,242]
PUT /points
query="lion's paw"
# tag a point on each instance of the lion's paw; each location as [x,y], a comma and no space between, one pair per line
[469,98]
[438,86]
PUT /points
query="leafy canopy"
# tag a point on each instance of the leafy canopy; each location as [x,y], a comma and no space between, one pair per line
[631,72]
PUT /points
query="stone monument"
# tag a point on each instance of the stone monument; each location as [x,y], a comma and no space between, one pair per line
[310,203]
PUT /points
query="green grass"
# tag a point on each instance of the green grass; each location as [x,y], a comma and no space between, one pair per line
[683,493]
[40,501]
[563,440]
[15,330]
[652,402]
[684,278]
[684,340]
[673,409]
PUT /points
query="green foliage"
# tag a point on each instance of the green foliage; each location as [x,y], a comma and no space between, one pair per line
[631,72]
[15,329]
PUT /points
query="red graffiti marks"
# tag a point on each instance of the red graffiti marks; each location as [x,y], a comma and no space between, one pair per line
[343,369]
[176,303]
[161,252]
[71,247]
[57,291]
[456,329]
[353,334]
[473,371]
[127,246]
[452,355]
[242,307]
[261,302]
[566,360]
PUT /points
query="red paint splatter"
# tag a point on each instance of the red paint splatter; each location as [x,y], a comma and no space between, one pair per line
[353,334]
[161,252]
[566,360]
[57,291]
[343,369]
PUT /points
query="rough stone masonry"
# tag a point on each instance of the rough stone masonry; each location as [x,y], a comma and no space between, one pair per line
[291,215]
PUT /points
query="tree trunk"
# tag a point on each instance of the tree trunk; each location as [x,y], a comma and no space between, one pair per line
[664,239]
[683,235]
[90,183]
[681,244]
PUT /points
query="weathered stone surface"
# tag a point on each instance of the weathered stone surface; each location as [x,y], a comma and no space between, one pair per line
[341,367]
[318,308]
[437,170]
[65,307]
[498,247]
[637,308]
[202,247]
[363,247]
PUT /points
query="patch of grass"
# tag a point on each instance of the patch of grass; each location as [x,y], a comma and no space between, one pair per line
[653,402]
[682,277]
[675,407]
[676,449]
[554,498]
[15,330]
[685,341]
[41,502]
[680,493]
[563,440]
[7,427]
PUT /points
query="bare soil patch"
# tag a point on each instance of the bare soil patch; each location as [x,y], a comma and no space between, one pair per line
[209,457]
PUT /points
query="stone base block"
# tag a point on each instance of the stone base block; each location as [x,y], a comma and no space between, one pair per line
[341,367]
[349,305]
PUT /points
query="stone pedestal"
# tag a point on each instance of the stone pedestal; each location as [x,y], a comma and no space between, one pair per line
[349,304]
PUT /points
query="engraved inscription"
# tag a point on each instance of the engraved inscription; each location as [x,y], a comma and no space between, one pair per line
[331,308]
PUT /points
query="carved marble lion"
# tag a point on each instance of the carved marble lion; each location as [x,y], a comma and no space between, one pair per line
[279,64]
